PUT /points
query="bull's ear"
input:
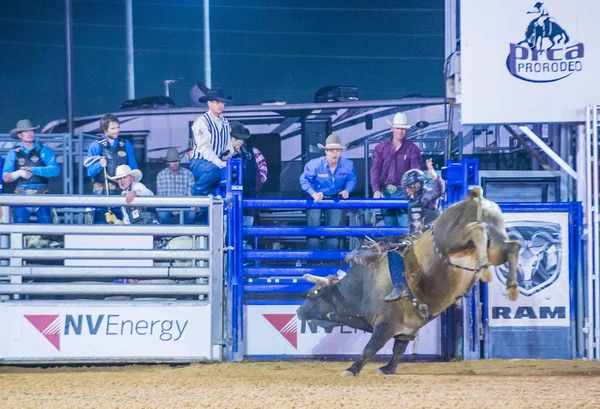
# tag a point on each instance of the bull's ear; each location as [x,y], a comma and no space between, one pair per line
[321,281]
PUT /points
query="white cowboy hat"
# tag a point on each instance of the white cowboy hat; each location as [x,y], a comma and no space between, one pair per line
[125,170]
[332,142]
[400,121]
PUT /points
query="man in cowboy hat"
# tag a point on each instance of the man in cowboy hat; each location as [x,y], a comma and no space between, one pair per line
[327,177]
[129,183]
[391,160]
[111,152]
[29,164]
[211,139]
[174,181]
[253,161]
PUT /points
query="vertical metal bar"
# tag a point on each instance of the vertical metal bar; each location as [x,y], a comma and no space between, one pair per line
[581,293]
[207,62]
[129,36]
[366,153]
[80,169]
[589,234]
[594,227]
[216,246]
[69,66]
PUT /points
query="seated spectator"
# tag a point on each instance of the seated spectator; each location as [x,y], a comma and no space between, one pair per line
[253,161]
[324,178]
[174,181]
[130,186]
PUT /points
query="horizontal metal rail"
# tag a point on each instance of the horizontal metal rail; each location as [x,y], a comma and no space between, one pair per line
[354,231]
[325,204]
[296,254]
[113,230]
[104,201]
[111,272]
[60,254]
[104,289]
[269,272]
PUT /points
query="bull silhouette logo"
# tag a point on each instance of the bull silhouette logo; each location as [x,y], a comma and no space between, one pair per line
[540,257]
[547,53]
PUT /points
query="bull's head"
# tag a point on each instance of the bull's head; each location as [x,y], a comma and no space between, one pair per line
[321,300]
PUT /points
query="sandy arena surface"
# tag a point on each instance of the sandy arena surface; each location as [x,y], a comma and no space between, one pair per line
[474,384]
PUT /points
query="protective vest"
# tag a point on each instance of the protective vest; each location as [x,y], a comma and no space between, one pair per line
[31,159]
[141,215]
[115,156]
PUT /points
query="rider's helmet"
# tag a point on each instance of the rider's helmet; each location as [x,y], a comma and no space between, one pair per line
[412,177]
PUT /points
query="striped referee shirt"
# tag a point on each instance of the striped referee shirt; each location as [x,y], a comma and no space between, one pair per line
[211,137]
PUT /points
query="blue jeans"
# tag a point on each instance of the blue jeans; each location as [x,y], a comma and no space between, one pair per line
[23,214]
[396,264]
[166,216]
[99,217]
[395,217]
[208,176]
[333,217]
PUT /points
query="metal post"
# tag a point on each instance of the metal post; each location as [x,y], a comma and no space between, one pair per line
[207,64]
[129,36]
[80,170]
[594,226]
[367,168]
[589,250]
[69,66]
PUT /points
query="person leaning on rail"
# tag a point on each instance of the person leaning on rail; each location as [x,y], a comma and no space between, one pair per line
[104,156]
[29,165]
[327,177]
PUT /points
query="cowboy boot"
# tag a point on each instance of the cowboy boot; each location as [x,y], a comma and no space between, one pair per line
[399,291]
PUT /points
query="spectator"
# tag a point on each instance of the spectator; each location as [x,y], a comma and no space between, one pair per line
[30,164]
[130,186]
[254,163]
[111,153]
[327,177]
[211,140]
[174,181]
[391,160]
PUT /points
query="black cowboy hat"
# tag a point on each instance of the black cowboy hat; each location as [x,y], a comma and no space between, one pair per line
[238,130]
[215,94]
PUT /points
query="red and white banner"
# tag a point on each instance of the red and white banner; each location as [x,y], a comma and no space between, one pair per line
[276,330]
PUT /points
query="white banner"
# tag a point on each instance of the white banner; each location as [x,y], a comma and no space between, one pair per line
[543,274]
[276,330]
[527,61]
[119,331]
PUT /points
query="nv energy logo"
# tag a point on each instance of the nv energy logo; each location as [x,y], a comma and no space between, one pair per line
[547,53]
[286,324]
[51,327]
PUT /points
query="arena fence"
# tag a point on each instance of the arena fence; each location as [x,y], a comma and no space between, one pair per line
[110,293]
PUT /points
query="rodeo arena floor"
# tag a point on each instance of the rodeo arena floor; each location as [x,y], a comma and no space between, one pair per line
[472,384]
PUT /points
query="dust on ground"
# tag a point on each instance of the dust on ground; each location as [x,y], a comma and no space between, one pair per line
[307,384]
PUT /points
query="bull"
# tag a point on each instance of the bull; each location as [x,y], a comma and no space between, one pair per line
[440,266]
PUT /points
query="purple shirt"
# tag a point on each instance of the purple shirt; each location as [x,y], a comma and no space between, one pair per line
[388,165]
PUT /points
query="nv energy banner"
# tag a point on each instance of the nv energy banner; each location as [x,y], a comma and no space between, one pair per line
[527,61]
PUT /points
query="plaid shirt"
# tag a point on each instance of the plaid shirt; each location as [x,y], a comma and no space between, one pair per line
[179,184]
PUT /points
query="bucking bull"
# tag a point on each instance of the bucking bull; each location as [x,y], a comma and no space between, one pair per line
[440,266]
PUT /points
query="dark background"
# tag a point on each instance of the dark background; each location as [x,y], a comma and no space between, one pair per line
[261,50]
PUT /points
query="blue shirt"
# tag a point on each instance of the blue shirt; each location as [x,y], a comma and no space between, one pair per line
[318,178]
[95,149]
[46,155]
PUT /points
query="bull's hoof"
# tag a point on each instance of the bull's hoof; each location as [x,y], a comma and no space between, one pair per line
[513,293]
[486,275]
[347,373]
[384,371]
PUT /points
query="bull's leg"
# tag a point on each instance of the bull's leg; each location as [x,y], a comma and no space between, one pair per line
[399,348]
[479,237]
[507,251]
[378,339]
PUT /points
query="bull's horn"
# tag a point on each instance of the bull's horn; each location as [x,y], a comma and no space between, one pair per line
[322,281]
[341,274]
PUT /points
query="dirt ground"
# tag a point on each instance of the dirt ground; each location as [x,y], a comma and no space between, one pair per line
[315,384]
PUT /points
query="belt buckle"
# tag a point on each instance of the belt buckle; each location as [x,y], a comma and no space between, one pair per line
[31,191]
[391,189]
